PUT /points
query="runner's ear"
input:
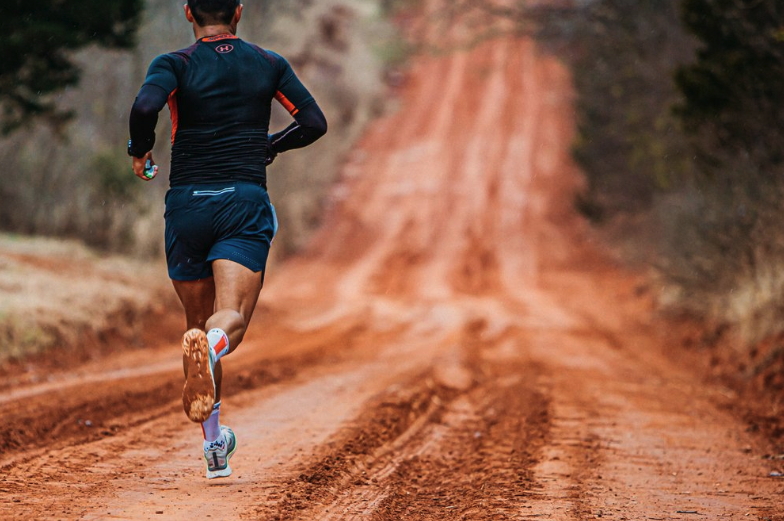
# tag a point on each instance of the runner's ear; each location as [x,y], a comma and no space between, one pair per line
[237,15]
[188,14]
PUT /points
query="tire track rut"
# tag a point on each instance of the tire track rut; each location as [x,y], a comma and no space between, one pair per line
[468,414]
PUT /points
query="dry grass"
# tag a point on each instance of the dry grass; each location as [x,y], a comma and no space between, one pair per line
[719,255]
[52,292]
[756,304]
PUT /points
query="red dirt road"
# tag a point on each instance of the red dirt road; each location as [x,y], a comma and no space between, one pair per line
[452,346]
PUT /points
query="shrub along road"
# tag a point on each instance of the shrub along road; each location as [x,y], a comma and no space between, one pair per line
[452,345]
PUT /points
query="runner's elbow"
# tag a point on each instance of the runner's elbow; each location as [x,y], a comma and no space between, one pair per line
[313,122]
[144,108]
[319,127]
[320,130]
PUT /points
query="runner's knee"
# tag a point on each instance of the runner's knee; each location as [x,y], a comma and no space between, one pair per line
[231,322]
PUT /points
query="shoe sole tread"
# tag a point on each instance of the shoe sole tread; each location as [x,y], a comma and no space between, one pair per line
[198,393]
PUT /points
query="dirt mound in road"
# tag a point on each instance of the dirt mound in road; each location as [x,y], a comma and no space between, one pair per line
[56,293]
[753,379]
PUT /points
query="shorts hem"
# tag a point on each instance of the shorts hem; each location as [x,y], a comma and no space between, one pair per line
[188,278]
[241,259]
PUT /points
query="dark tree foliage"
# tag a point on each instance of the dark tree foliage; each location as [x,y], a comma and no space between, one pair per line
[38,39]
[623,54]
[734,92]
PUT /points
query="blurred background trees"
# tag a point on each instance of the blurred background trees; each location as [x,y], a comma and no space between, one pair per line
[623,54]
[733,110]
[38,41]
[680,136]
[733,92]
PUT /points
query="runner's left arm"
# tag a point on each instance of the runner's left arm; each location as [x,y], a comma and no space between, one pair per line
[309,121]
[309,125]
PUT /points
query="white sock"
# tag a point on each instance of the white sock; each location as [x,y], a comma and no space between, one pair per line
[219,343]
[211,427]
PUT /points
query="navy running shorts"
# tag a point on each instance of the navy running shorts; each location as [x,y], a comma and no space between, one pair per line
[205,222]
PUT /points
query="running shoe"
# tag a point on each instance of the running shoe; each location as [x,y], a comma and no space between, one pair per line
[198,394]
[218,454]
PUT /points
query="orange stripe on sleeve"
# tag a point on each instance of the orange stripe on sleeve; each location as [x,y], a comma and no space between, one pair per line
[288,105]
[174,113]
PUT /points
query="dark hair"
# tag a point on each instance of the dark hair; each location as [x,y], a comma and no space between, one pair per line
[213,12]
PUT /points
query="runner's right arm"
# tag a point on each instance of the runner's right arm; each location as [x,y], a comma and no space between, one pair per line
[144,117]
[161,81]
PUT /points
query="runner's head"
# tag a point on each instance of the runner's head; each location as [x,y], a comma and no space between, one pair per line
[213,12]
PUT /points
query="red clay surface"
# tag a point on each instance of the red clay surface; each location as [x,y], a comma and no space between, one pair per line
[453,345]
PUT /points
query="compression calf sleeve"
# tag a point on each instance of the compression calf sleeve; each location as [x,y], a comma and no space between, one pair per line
[218,342]
[211,428]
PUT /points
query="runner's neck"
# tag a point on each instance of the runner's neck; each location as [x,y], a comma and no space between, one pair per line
[209,31]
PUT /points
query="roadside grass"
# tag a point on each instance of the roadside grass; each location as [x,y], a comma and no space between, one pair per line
[55,293]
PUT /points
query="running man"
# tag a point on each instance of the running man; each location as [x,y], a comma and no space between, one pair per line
[219,220]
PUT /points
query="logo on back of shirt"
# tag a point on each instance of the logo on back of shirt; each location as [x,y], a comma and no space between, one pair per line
[225,48]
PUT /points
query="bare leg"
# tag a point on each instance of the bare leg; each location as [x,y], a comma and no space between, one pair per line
[236,292]
[198,300]
[225,301]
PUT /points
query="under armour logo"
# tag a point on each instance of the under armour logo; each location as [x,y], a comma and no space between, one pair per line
[225,48]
